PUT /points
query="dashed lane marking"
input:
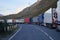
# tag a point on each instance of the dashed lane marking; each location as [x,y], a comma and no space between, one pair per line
[45,33]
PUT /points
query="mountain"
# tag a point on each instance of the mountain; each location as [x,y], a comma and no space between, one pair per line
[34,10]
[1,15]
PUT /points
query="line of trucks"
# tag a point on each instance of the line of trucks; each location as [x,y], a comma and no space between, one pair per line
[44,19]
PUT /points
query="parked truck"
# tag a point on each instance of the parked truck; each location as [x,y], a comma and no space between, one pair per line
[41,19]
[19,21]
[48,20]
[35,20]
[26,20]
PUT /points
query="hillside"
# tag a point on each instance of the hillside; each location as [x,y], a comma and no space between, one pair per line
[1,15]
[34,10]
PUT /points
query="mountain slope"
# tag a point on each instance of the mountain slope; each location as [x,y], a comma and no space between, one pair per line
[34,10]
[1,15]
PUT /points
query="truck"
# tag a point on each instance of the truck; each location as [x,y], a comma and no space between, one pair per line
[35,20]
[19,21]
[10,21]
[26,20]
[48,20]
[58,27]
[41,19]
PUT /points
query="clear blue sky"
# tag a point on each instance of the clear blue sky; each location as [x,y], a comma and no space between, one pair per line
[13,6]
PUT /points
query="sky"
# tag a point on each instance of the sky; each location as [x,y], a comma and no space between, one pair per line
[14,6]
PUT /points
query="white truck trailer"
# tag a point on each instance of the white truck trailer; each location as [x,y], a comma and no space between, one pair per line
[48,20]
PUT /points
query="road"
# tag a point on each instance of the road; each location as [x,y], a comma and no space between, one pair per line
[35,32]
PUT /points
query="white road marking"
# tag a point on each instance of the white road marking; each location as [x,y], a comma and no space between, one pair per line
[15,33]
[36,28]
[45,33]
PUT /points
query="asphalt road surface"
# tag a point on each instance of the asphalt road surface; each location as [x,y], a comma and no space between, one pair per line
[35,32]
